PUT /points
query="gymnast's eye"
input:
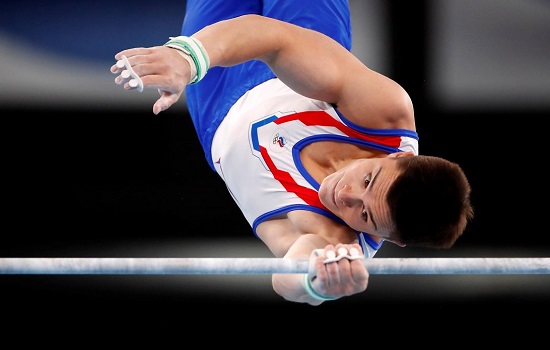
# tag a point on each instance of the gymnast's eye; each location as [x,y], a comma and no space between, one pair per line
[364,213]
[367,180]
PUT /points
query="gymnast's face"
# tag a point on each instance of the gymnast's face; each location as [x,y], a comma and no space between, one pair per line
[357,194]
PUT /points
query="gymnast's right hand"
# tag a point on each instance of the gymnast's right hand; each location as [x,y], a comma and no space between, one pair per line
[158,67]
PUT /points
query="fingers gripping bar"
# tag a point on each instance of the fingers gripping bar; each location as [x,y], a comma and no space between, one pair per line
[330,257]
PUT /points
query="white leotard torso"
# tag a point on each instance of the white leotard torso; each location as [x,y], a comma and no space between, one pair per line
[256,151]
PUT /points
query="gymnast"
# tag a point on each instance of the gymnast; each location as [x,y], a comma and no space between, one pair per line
[319,152]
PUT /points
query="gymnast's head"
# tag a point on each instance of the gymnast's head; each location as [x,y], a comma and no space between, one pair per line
[429,202]
[410,200]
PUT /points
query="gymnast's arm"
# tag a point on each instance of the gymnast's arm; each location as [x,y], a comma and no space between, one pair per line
[309,62]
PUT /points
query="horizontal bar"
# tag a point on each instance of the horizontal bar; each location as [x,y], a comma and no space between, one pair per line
[177,266]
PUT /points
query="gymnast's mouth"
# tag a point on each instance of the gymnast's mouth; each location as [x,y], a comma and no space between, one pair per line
[335,194]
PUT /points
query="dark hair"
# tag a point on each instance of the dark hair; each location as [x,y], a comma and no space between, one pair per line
[429,202]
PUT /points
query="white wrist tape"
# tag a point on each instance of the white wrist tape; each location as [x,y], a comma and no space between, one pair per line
[193,72]
[196,55]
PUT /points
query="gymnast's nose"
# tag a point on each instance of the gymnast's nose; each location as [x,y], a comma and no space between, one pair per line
[349,197]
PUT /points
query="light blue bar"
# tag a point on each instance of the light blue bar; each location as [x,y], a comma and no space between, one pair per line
[226,266]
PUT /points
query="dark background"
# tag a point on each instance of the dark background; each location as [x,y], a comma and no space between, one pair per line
[100,176]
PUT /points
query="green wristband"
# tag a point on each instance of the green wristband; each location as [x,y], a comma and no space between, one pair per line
[195,50]
[311,292]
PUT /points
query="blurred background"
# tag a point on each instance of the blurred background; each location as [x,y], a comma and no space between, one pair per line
[89,171]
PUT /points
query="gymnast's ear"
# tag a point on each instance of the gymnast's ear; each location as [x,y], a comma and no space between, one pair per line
[401,154]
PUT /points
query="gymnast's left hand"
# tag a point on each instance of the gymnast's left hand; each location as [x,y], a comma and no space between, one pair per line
[158,67]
